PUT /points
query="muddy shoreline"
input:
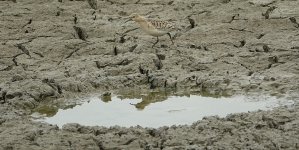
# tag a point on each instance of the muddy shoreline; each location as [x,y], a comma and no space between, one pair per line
[52,51]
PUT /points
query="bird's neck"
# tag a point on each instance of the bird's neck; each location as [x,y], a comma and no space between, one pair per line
[143,23]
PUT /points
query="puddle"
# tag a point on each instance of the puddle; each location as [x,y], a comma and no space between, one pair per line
[154,110]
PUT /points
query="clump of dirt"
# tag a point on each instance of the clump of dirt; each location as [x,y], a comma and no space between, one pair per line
[55,49]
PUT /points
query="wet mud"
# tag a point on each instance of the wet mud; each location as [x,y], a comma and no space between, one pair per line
[57,51]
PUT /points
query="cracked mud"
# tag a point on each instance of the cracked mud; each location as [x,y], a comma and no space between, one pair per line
[59,50]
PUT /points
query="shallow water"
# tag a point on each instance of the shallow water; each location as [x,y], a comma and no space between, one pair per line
[155,110]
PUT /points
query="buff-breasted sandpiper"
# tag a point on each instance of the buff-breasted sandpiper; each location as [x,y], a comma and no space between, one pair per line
[154,28]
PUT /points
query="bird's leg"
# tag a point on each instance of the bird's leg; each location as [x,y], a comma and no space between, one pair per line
[156,42]
[170,37]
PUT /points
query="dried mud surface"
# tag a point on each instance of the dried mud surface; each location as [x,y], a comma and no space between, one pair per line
[52,50]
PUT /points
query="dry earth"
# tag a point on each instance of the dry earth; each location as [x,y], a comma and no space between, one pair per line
[54,50]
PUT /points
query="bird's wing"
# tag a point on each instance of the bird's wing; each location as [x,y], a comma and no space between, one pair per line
[161,25]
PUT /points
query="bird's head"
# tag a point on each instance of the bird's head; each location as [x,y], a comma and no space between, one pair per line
[135,17]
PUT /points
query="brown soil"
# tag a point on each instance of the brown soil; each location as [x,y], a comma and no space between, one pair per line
[53,50]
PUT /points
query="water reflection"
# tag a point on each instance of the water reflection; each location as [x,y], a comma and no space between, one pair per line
[152,109]
[146,99]
[50,110]
[106,99]
[157,96]
[47,110]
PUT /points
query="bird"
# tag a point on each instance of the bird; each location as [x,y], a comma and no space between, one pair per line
[154,28]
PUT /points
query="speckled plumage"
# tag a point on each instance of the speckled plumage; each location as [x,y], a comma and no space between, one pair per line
[154,28]
[162,25]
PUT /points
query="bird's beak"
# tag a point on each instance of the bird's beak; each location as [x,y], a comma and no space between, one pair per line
[128,19]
